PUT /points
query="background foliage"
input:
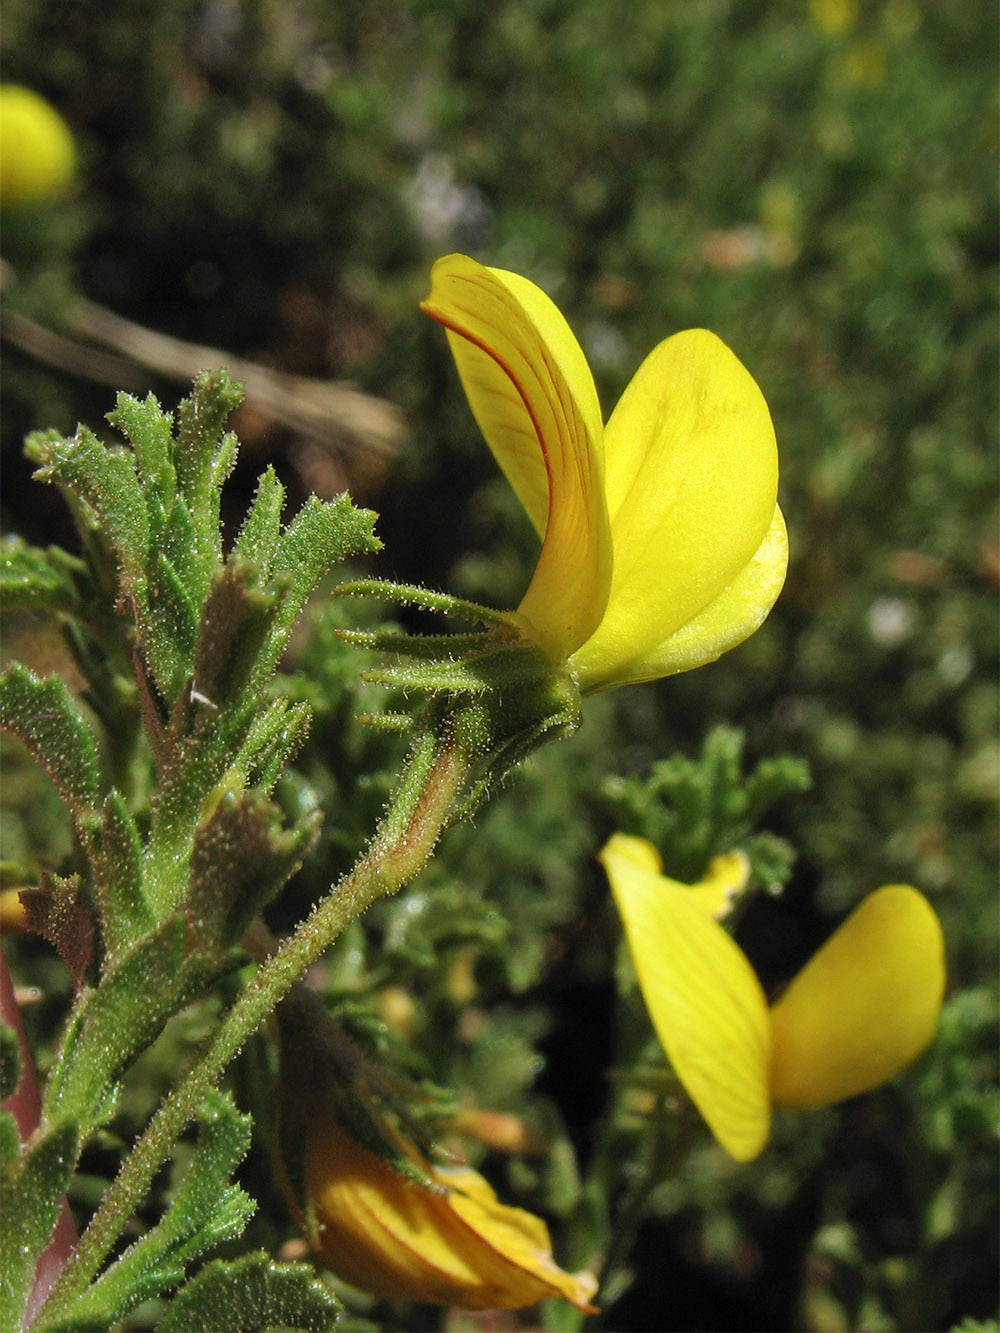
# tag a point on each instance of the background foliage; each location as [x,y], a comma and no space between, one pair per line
[812,181]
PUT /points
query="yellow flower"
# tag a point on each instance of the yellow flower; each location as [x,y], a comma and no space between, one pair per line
[382,1215]
[449,1242]
[860,1010]
[37,156]
[662,542]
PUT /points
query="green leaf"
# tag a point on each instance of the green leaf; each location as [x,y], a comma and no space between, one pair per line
[149,430]
[274,738]
[261,531]
[10,1062]
[10,1140]
[206,1211]
[180,534]
[773,778]
[168,621]
[235,624]
[43,714]
[320,535]
[105,479]
[37,579]
[32,1186]
[203,455]
[110,1025]
[694,809]
[125,915]
[242,858]
[250,1295]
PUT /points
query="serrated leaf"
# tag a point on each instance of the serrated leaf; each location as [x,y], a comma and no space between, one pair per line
[320,535]
[113,1023]
[32,1186]
[37,579]
[203,455]
[150,431]
[274,738]
[106,480]
[180,537]
[771,779]
[235,623]
[250,1295]
[125,915]
[57,912]
[44,715]
[10,1062]
[242,857]
[168,620]
[206,1211]
[261,531]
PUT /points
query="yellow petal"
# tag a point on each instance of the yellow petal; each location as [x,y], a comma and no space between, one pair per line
[517,1239]
[706,1004]
[691,477]
[733,616]
[723,882]
[639,851]
[533,395]
[457,1246]
[864,1006]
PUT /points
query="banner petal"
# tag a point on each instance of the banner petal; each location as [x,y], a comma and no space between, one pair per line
[532,393]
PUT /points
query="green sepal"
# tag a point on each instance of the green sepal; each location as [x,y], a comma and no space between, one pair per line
[249,1295]
[44,715]
[33,1184]
[392,722]
[506,667]
[242,857]
[38,580]
[125,914]
[411,594]
[10,1062]
[206,1211]
[453,678]
[424,647]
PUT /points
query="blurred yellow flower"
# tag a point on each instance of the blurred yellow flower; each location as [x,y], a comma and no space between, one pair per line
[662,542]
[449,1241]
[37,155]
[834,16]
[860,1010]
